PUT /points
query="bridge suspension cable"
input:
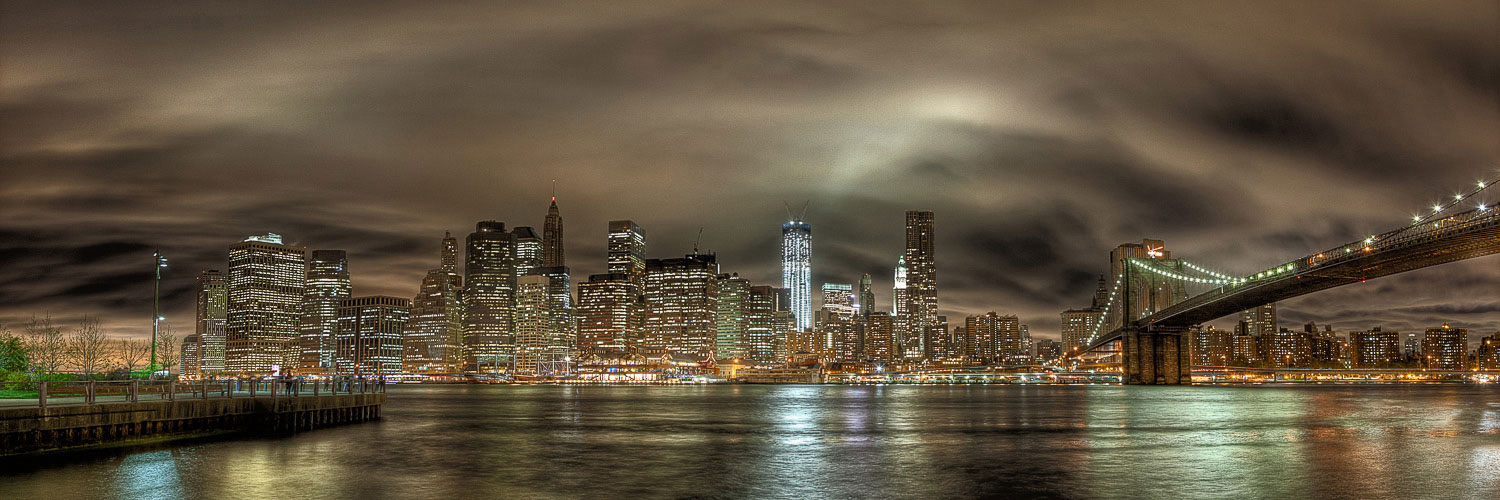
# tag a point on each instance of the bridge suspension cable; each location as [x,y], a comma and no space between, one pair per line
[1114,291]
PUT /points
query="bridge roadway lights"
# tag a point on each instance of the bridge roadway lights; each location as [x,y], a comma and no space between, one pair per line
[1156,356]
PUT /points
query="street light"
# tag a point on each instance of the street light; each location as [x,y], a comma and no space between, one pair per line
[161,263]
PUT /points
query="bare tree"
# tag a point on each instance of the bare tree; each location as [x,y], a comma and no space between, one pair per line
[88,348]
[47,344]
[133,353]
[166,349]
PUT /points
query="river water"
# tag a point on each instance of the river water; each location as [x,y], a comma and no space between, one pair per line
[749,441]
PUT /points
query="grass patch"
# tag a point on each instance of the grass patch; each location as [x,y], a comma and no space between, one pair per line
[15,394]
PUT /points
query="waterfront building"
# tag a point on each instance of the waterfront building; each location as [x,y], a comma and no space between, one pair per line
[528,250]
[680,303]
[211,321]
[369,335]
[976,342]
[866,303]
[1212,347]
[190,361]
[766,324]
[796,269]
[840,335]
[1446,348]
[1375,348]
[921,285]
[606,319]
[733,322]
[552,237]
[908,345]
[1260,320]
[533,323]
[627,250]
[1487,357]
[880,337]
[1286,348]
[434,331]
[327,287]
[489,298]
[1079,324]
[1047,350]
[562,332]
[265,292]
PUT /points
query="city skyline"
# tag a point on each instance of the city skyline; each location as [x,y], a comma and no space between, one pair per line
[1036,156]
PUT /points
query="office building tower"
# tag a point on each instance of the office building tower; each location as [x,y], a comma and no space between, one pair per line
[327,287]
[681,302]
[796,269]
[369,335]
[907,344]
[1375,348]
[552,237]
[489,298]
[766,324]
[528,250]
[1446,348]
[448,260]
[606,319]
[839,298]
[211,321]
[533,323]
[733,328]
[627,250]
[921,284]
[434,332]
[1260,320]
[562,333]
[880,338]
[263,321]
[866,303]
[189,361]
[840,335]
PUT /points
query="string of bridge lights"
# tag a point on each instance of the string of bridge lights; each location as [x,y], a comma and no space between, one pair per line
[1439,208]
[1113,291]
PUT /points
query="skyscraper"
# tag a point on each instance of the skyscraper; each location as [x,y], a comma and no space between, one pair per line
[369,335]
[627,250]
[681,302]
[907,345]
[921,283]
[528,250]
[266,282]
[866,295]
[533,322]
[732,320]
[606,319]
[839,298]
[561,338]
[211,321]
[796,269]
[327,287]
[434,330]
[552,237]
[763,329]
[1260,320]
[489,298]
[1079,324]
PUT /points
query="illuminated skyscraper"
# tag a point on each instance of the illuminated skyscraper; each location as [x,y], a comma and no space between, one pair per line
[1079,324]
[606,321]
[561,339]
[532,323]
[327,287]
[921,284]
[879,337]
[448,260]
[796,269]
[627,250]
[211,321]
[528,250]
[907,344]
[866,295]
[191,361]
[763,329]
[839,298]
[978,343]
[733,322]
[681,303]
[1260,320]
[266,283]
[552,237]
[434,331]
[489,298]
[369,335]
[1446,348]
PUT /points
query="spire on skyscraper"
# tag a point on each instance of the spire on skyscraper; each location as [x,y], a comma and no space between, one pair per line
[552,234]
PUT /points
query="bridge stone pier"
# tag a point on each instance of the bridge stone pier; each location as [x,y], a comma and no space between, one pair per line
[1156,355]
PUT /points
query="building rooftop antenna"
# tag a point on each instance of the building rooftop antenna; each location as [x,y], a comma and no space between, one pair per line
[697,240]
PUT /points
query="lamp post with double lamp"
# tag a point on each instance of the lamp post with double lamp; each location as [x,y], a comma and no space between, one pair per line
[161,263]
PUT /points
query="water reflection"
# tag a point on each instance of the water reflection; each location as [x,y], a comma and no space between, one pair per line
[838,442]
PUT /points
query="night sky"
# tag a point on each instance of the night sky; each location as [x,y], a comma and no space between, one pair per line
[1244,134]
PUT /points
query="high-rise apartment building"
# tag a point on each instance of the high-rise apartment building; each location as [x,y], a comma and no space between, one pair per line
[1260,320]
[263,321]
[489,298]
[880,338]
[627,250]
[681,302]
[1487,357]
[552,237]
[732,340]
[1446,348]
[796,269]
[976,343]
[1080,324]
[606,319]
[1212,347]
[1375,348]
[327,287]
[369,335]
[211,321]
[921,284]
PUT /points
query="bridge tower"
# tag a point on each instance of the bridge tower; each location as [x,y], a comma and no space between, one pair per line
[1155,355]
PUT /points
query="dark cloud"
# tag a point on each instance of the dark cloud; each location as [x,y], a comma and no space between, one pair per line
[1243,134]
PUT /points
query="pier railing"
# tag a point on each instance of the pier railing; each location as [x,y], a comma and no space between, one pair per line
[89,392]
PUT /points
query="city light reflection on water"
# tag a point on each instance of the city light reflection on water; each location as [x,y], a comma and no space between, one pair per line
[836,442]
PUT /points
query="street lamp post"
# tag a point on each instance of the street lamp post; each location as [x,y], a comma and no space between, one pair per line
[161,262]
